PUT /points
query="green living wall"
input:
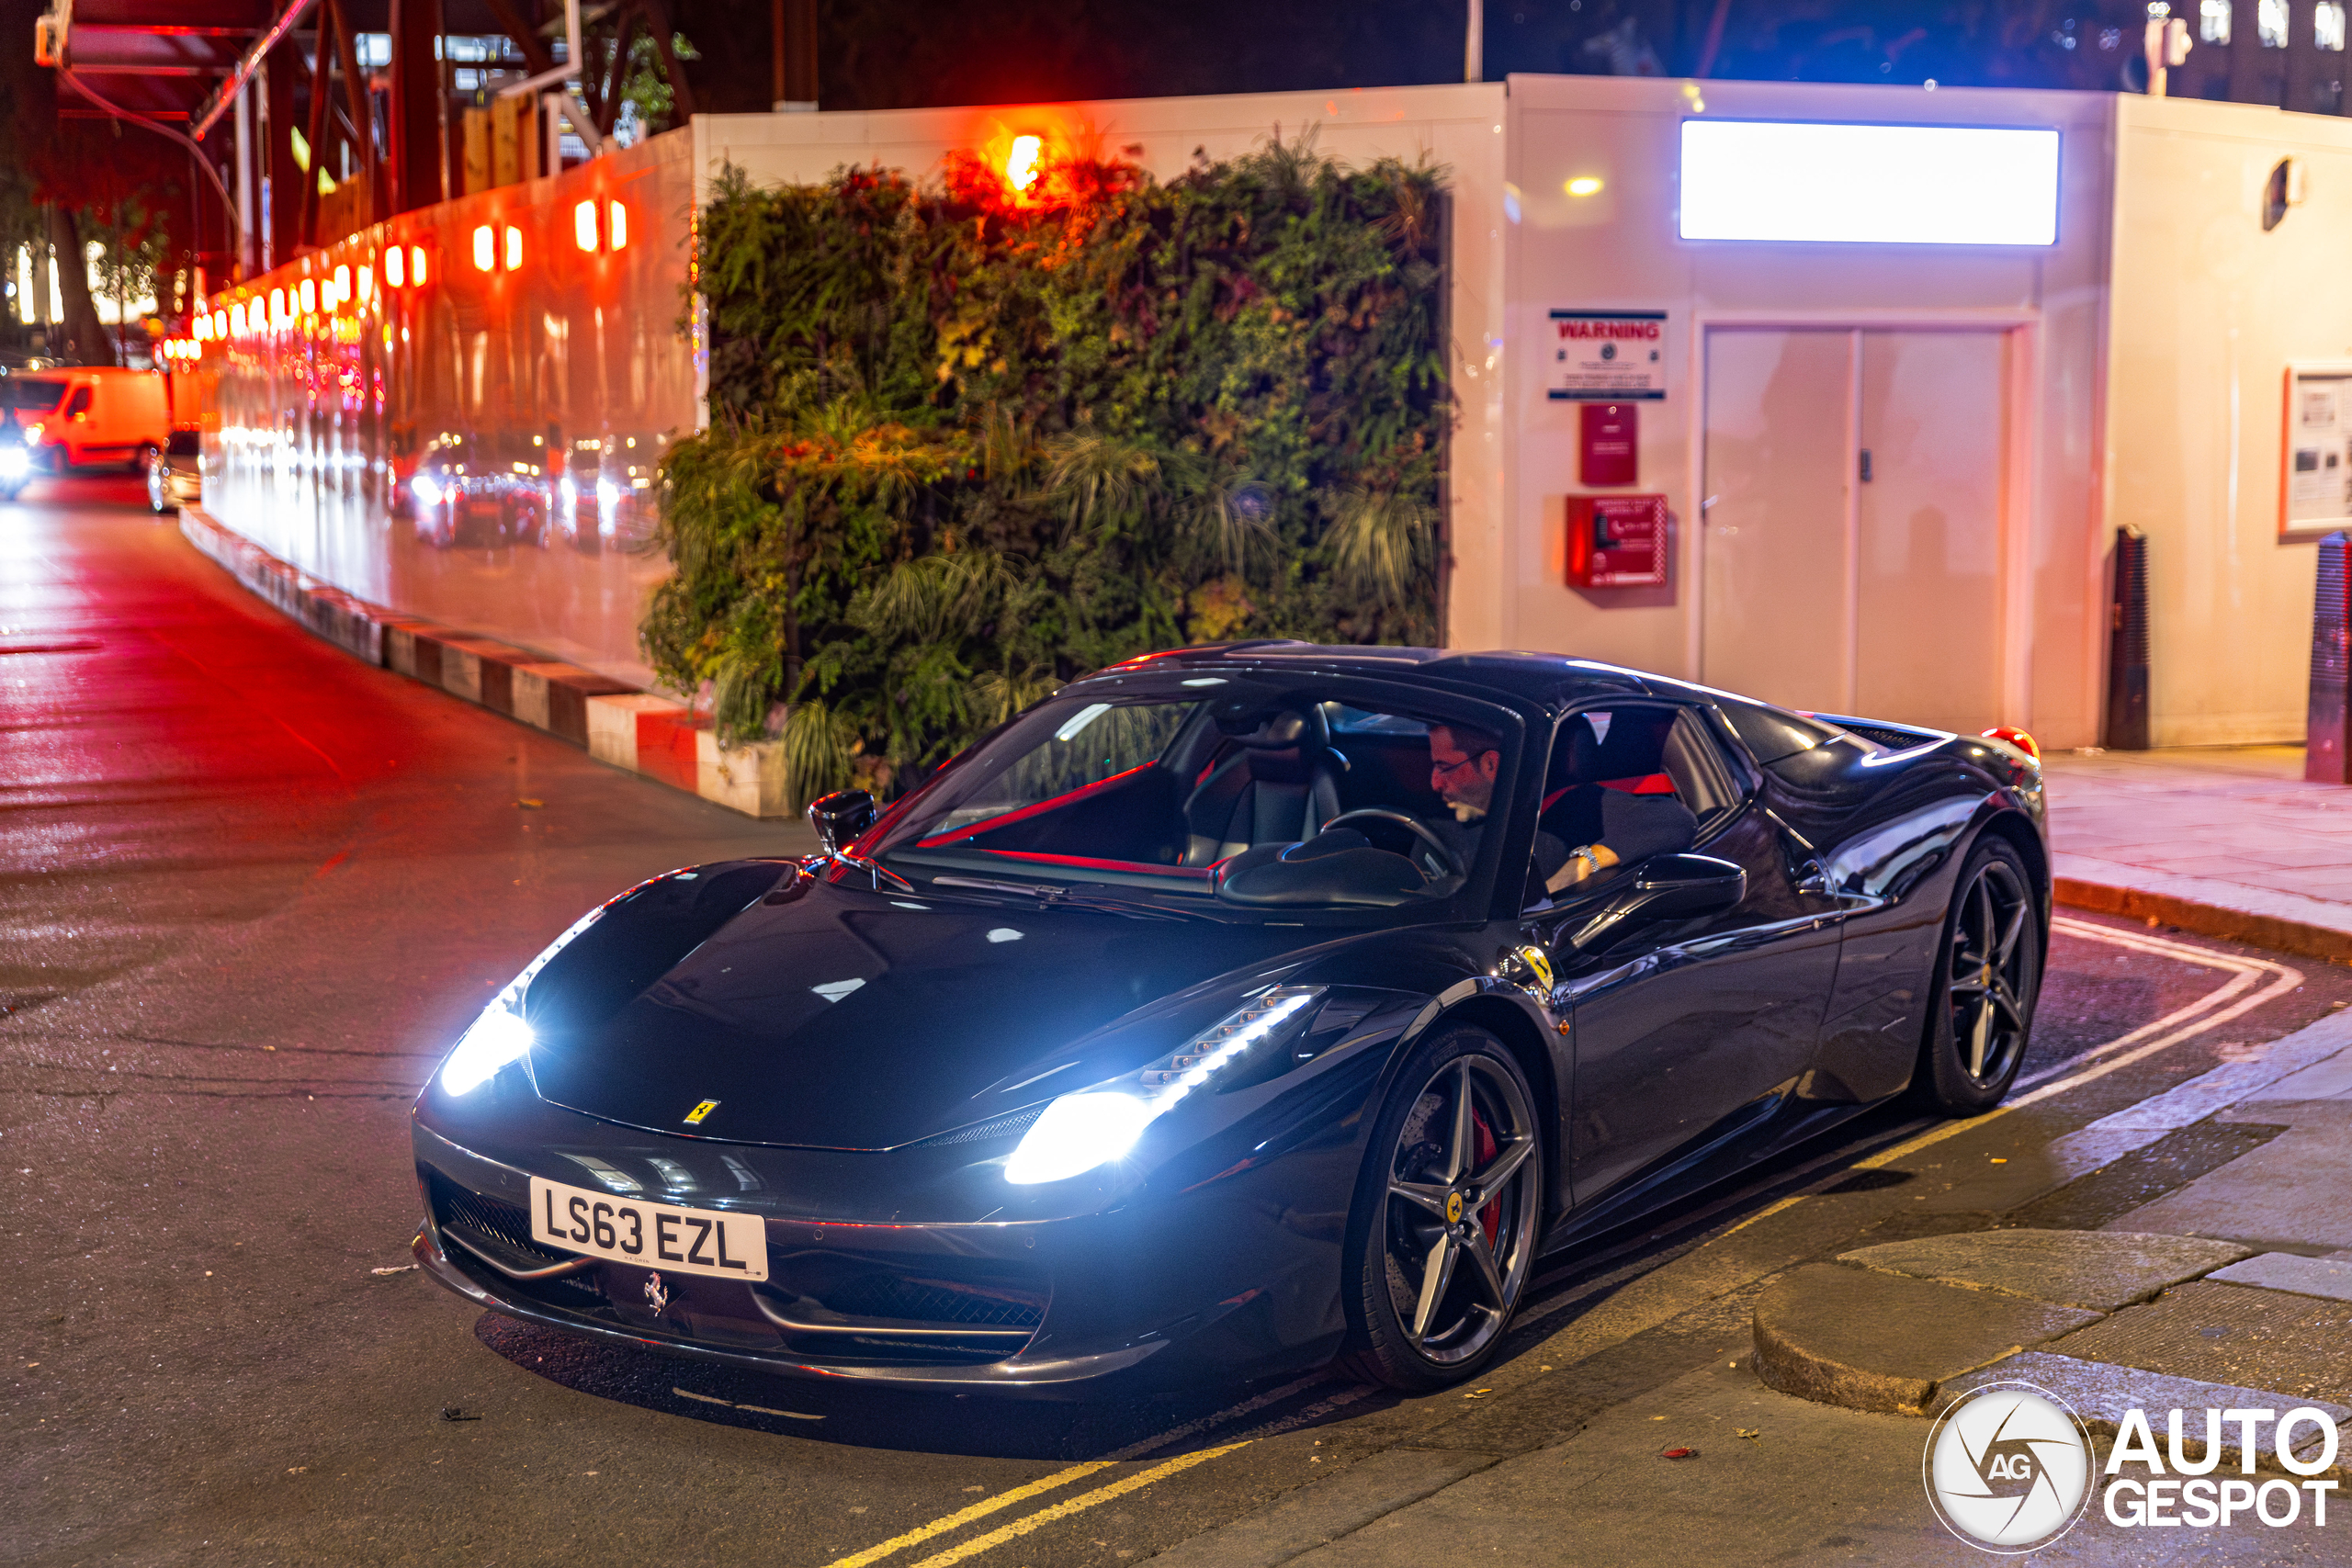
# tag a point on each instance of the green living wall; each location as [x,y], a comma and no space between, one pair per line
[967,442]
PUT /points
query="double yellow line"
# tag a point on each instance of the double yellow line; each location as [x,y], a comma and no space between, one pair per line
[1027,1522]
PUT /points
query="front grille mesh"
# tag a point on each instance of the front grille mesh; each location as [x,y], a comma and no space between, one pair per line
[501,1223]
[930,1301]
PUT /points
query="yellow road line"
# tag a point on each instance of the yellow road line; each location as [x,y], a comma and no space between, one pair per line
[977,1511]
[1062,1510]
[2246,970]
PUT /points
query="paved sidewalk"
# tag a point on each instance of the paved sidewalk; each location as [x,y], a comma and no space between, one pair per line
[2227,840]
[2233,1291]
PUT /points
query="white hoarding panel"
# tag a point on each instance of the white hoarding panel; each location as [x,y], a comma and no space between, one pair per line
[1920,184]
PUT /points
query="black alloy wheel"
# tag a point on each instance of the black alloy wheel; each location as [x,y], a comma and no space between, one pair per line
[1988,974]
[1446,1220]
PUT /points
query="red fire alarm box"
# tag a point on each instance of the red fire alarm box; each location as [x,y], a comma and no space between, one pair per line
[1609,452]
[1616,541]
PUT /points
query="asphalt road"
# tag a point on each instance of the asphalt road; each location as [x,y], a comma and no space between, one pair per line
[248,889]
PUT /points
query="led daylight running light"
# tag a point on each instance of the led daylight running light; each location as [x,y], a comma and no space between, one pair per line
[502,1034]
[1080,1131]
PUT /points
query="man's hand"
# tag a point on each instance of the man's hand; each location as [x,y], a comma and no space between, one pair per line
[1589,861]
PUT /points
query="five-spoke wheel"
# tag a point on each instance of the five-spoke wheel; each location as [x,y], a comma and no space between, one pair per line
[1989,973]
[1445,1236]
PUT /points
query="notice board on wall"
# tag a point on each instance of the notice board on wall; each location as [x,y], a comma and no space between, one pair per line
[1606,357]
[2315,456]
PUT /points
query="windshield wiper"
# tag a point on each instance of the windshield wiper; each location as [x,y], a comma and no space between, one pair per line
[1094,896]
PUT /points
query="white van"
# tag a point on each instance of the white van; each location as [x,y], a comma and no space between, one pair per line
[72,418]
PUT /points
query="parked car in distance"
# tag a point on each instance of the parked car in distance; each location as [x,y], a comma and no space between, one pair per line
[75,418]
[481,491]
[175,474]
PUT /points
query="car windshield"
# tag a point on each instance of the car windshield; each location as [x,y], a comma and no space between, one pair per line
[185,444]
[1255,796]
[30,393]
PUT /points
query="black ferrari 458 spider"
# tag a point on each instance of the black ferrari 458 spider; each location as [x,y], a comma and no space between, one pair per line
[1234,1009]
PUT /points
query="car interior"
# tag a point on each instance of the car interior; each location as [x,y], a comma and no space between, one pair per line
[1640,750]
[1280,801]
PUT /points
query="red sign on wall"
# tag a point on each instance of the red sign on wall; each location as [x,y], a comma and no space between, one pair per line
[1608,452]
[1616,541]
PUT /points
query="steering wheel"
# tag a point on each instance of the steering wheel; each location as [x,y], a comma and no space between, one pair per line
[1446,859]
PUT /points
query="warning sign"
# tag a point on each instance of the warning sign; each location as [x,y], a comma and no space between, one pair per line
[1606,356]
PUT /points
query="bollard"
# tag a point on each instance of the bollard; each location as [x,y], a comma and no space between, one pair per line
[2126,647]
[2328,754]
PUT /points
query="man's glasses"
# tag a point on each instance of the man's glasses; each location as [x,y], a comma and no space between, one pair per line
[1447,770]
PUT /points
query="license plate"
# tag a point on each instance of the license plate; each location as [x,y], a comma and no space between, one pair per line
[660,1235]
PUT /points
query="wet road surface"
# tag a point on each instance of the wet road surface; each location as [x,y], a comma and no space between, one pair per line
[249,887]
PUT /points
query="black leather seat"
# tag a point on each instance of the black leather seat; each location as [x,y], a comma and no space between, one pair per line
[1279,786]
[1634,748]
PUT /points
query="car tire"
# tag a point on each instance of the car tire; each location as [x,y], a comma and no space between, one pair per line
[146,454]
[1448,1215]
[1988,974]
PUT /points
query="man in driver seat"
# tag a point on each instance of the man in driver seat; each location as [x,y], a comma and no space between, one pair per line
[1464,763]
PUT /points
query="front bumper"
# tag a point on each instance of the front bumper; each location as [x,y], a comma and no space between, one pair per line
[1238,1278]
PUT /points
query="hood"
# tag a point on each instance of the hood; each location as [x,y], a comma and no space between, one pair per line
[848,1019]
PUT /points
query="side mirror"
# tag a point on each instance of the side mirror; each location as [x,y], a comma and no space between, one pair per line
[1666,887]
[1679,887]
[841,817]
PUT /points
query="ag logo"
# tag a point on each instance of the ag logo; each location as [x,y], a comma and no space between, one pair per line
[2008,1468]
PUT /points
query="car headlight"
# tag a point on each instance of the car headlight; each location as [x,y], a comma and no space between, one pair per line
[1080,1132]
[14,460]
[426,491]
[501,1035]
[32,433]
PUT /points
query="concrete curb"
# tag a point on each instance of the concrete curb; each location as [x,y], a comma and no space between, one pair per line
[2199,905]
[1885,1343]
[639,732]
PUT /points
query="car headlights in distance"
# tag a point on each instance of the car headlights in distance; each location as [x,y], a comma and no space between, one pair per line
[14,462]
[426,492]
[501,1035]
[1080,1131]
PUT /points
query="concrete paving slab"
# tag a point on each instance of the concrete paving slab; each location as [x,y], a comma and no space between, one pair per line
[2331,1278]
[2097,1269]
[1816,1484]
[2217,1091]
[1883,1342]
[2285,1196]
[1338,1505]
[2102,1395]
[2328,1079]
[2237,1334]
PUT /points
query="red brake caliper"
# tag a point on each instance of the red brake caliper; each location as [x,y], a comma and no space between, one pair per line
[1491,1218]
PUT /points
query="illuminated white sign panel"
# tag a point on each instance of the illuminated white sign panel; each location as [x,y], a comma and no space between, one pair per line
[1907,185]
